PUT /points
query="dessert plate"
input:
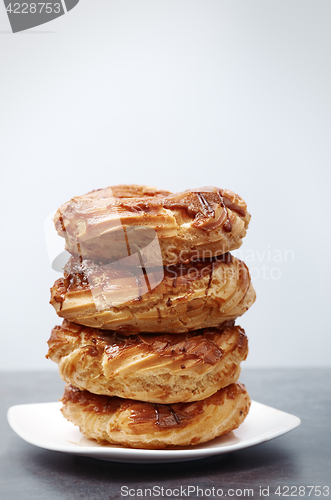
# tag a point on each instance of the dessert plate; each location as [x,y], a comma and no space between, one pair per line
[43,425]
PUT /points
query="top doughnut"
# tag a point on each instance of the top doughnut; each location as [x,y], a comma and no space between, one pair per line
[116,222]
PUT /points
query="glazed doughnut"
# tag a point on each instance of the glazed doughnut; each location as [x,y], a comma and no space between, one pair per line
[113,223]
[166,368]
[136,424]
[172,300]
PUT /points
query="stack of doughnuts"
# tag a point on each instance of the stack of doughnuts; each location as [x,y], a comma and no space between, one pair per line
[148,345]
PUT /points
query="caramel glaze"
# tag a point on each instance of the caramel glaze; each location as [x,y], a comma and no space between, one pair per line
[80,274]
[127,191]
[95,402]
[202,218]
[201,205]
[163,416]
[199,345]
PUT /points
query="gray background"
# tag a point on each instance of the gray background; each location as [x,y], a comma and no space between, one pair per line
[177,94]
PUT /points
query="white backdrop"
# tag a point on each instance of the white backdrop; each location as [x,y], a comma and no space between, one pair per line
[177,94]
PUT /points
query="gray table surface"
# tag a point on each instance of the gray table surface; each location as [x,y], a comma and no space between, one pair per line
[299,458]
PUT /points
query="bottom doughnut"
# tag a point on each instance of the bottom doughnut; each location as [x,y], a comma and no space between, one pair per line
[137,424]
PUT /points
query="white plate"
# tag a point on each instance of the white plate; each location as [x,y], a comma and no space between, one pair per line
[43,425]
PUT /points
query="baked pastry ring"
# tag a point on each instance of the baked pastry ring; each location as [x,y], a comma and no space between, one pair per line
[166,368]
[172,300]
[196,224]
[147,425]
